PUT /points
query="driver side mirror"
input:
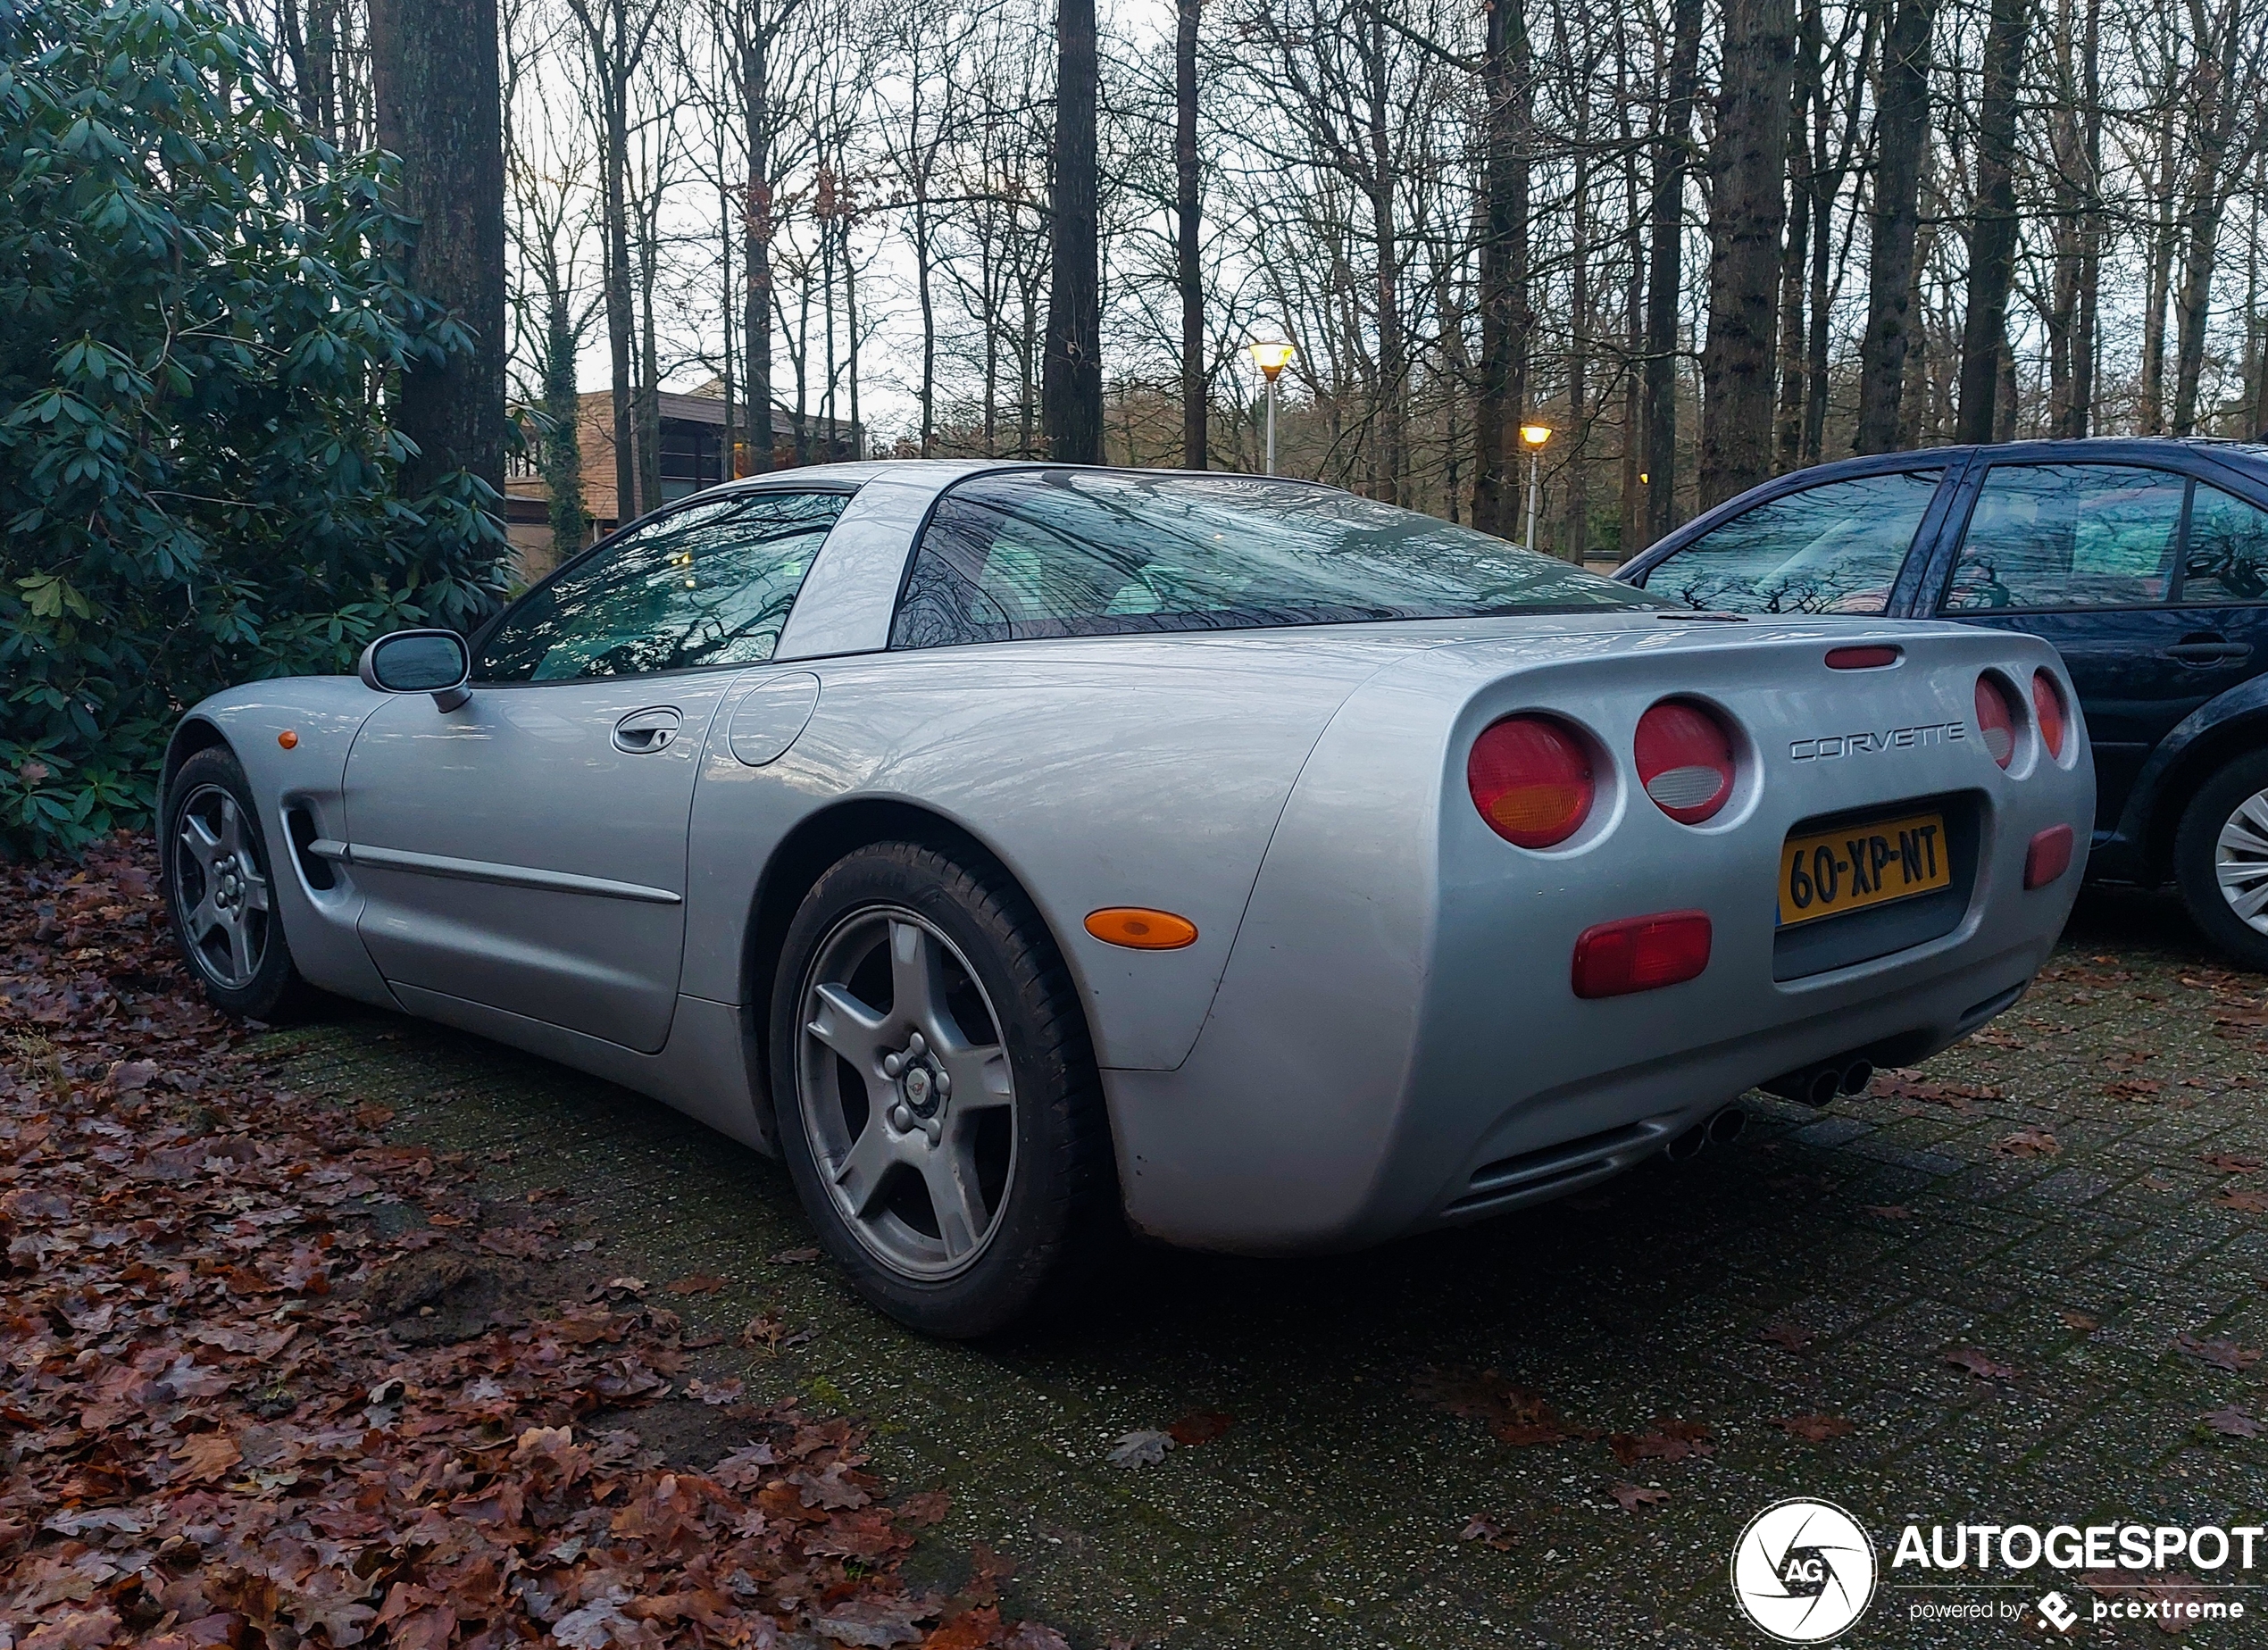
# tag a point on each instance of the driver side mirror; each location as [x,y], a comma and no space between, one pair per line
[434,662]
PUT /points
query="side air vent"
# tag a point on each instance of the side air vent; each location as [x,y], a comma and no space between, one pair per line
[299,818]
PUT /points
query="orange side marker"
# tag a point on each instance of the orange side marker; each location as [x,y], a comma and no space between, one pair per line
[288,739]
[1141,928]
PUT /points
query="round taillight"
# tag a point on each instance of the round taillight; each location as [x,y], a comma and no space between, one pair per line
[2047,704]
[1684,753]
[1531,777]
[1996,716]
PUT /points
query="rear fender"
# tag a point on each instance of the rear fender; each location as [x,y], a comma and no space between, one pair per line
[2220,728]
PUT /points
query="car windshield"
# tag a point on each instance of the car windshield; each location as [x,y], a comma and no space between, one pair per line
[1044,553]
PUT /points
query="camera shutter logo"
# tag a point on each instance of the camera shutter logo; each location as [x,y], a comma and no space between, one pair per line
[1802,1571]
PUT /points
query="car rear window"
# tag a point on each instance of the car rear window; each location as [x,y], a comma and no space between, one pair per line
[1020,555]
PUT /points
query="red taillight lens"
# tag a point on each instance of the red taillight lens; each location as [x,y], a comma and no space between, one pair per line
[1997,719]
[1684,753]
[1531,777]
[2047,704]
[2048,857]
[1639,953]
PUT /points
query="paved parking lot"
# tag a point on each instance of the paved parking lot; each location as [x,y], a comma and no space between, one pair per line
[2007,1287]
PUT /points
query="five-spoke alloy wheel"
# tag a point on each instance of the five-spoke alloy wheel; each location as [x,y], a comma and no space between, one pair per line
[2221,859]
[934,1091]
[219,888]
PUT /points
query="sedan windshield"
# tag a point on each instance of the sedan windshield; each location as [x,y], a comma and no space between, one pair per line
[1025,553]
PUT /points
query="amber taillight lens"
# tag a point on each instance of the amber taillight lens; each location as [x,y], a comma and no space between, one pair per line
[1996,716]
[2047,704]
[1684,755]
[1531,777]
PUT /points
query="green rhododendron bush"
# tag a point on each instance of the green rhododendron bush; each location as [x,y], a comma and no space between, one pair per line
[201,307]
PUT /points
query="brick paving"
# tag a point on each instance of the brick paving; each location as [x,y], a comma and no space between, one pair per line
[1872,1239]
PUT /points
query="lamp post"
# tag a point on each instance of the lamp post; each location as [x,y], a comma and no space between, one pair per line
[1270,355]
[1535,436]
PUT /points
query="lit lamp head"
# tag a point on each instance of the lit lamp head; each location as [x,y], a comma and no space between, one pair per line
[1271,355]
[1535,435]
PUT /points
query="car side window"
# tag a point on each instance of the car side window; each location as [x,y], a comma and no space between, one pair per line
[1835,548]
[2227,558]
[710,584]
[2065,535]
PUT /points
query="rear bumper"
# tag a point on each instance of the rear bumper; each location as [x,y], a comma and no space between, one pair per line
[1396,1043]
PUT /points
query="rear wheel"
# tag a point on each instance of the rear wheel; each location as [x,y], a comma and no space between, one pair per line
[2221,859]
[219,890]
[935,1093]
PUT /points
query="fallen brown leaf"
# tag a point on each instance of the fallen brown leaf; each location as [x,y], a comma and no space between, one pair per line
[1200,1427]
[2133,1087]
[2231,1422]
[1634,1497]
[1890,1211]
[795,1257]
[1979,1364]
[1816,1429]
[2221,1352]
[2028,1142]
[2243,1199]
[1787,1337]
[2081,1321]
[2228,1163]
[1489,1532]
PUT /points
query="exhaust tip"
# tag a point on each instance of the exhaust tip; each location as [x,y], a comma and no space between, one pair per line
[1726,1126]
[1684,1147]
[1824,1085]
[1857,1076]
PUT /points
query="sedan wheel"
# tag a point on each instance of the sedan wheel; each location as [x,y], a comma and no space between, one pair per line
[935,1091]
[907,1092]
[2221,859]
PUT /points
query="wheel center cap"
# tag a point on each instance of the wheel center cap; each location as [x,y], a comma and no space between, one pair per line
[922,1096]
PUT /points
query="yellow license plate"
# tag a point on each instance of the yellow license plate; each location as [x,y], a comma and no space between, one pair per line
[1825,873]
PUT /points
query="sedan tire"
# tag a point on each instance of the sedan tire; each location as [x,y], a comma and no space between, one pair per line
[2221,859]
[935,1091]
[220,891]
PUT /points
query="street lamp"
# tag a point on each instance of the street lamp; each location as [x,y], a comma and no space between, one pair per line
[1535,436]
[1270,355]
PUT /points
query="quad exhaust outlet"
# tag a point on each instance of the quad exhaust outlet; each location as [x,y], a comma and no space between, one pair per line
[1721,1128]
[1817,1085]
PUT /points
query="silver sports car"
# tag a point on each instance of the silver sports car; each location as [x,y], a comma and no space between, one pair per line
[1016,849]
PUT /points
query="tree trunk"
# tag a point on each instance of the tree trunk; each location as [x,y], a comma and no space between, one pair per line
[1672,154]
[756,248]
[2086,329]
[1501,397]
[2211,120]
[440,109]
[1072,370]
[1575,538]
[1747,207]
[1904,131]
[562,442]
[1789,431]
[1992,240]
[1187,203]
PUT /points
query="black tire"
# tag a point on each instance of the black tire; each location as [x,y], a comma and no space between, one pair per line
[206,786]
[1052,1211]
[2196,855]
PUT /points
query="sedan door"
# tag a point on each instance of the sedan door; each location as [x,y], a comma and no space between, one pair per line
[526,851]
[2088,556]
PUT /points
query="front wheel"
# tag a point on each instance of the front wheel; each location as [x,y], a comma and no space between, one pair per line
[2221,859]
[219,890]
[935,1091]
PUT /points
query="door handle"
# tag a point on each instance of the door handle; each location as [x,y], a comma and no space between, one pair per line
[2203,650]
[641,733]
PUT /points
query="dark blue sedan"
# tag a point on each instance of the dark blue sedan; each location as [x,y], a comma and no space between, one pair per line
[2144,561]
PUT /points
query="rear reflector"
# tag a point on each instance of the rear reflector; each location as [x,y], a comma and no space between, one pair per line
[1640,954]
[1996,716]
[2048,857]
[1531,777]
[1684,755]
[2047,704]
[1862,658]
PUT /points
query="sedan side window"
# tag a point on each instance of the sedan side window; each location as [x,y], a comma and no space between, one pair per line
[710,584]
[1835,548]
[2228,555]
[2049,535]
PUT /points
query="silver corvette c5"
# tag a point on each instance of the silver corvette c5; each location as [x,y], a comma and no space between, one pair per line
[1012,846]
